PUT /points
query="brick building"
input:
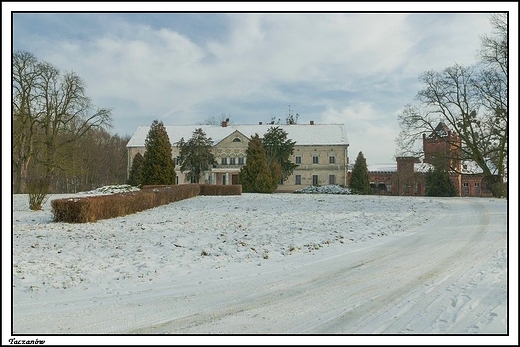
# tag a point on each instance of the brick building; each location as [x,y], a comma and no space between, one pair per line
[407,175]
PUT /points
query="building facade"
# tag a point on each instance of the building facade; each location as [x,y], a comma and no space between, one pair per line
[320,152]
[441,147]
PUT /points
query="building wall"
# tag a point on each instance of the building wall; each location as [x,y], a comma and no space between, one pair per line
[442,149]
[474,185]
[322,171]
[381,182]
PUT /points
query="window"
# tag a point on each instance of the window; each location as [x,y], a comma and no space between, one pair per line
[332,159]
[298,180]
[232,161]
[298,159]
[465,188]
[332,178]
[315,160]
[223,161]
[241,161]
[236,139]
[314,180]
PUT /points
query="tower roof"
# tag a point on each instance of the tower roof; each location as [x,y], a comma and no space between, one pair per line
[441,130]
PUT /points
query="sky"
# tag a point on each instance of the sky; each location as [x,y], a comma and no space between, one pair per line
[384,265]
[354,68]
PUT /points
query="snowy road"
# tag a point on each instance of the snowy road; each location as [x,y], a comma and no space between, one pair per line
[446,276]
[435,280]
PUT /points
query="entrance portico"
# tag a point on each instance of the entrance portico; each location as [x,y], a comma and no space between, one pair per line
[224,176]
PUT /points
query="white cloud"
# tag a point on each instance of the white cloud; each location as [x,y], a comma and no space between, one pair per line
[368,131]
[358,67]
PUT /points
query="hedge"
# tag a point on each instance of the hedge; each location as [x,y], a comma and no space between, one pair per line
[93,208]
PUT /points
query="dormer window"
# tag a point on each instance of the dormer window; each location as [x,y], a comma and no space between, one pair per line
[237,139]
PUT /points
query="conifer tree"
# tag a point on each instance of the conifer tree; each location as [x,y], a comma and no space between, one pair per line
[257,176]
[438,182]
[134,178]
[158,164]
[196,155]
[360,181]
[278,149]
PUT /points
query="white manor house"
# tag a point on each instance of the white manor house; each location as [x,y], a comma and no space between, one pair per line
[320,151]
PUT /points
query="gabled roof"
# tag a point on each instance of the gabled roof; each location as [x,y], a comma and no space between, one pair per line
[235,134]
[440,131]
[471,167]
[303,134]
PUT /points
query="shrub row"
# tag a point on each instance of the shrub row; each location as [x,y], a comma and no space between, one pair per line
[93,208]
[212,189]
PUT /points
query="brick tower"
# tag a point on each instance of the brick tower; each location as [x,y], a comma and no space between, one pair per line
[442,147]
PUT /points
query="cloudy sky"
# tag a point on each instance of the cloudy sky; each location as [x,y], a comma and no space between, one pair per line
[353,68]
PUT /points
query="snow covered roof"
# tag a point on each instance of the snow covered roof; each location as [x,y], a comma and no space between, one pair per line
[441,130]
[422,167]
[303,134]
[467,167]
[390,167]
[471,167]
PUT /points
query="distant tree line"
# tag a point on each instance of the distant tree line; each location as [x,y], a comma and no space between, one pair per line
[60,140]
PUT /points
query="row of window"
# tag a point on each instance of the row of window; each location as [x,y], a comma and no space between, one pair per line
[298,160]
[315,179]
[315,159]
[465,187]
[241,160]
[466,184]
[232,161]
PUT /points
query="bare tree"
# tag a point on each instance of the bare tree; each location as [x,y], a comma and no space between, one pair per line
[216,120]
[50,112]
[492,86]
[472,102]
[25,115]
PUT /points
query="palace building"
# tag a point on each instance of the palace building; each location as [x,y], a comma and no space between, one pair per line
[320,151]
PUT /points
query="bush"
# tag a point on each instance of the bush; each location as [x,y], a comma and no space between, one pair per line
[499,190]
[91,209]
[38,189]
[211,189]
[438,182]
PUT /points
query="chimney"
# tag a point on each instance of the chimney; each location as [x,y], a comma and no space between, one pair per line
[259,123]
[312,122]
[224,124]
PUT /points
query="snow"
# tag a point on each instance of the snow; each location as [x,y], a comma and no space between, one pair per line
[303,134]
[328,189]
[332,266]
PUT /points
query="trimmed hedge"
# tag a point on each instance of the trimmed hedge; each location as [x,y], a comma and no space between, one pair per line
[93,208]
[212,189]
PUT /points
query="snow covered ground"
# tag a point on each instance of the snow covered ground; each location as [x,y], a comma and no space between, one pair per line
[362,267]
